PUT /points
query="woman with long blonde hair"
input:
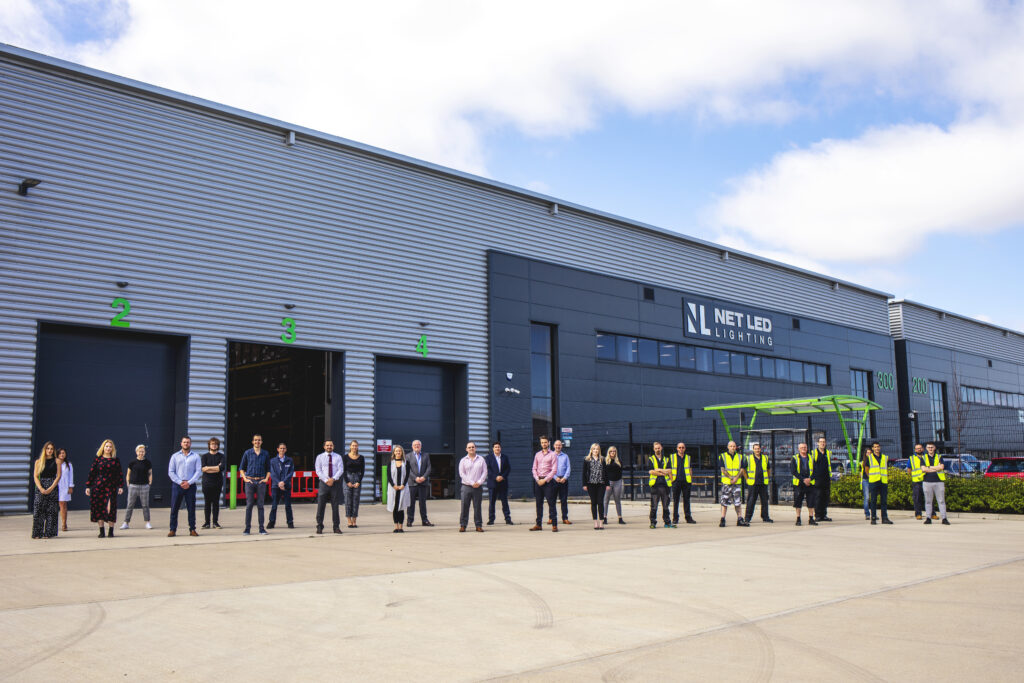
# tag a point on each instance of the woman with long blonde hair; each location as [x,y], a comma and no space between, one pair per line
[103,486]
[46,476]
[398,488]
[595,481]
[613,470]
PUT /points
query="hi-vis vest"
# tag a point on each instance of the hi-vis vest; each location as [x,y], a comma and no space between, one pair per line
[797,480]
[878,470]
[932,462]
[916,475]
[752,469]
[731,464]
[687,472]
[655,466]
[828,458]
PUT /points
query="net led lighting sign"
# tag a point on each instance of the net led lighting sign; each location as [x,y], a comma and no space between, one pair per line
[717,321]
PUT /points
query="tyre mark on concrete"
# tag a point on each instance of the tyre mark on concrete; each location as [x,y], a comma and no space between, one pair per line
[743,622]
[95,615]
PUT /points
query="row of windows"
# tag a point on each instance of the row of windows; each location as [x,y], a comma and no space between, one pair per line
[628,349]
[989,397]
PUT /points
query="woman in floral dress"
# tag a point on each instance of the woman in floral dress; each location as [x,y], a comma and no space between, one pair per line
[106,480]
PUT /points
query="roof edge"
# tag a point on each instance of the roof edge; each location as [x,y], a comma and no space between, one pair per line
[908,302]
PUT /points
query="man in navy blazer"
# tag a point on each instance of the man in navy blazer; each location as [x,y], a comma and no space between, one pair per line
[282,469]
[498,469]
[419,483]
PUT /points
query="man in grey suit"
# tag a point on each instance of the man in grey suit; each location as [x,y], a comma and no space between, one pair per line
[419,482]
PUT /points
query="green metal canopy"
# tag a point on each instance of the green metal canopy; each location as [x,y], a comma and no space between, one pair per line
[836,403]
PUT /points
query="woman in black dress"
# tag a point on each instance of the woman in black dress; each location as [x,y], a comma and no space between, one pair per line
[45,475]
[355,466]
[103,485]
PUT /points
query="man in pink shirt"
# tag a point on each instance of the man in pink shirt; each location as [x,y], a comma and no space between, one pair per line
[545,466]
[473,473]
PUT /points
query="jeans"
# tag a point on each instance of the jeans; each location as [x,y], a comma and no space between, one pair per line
[562,491]
[254,493]
[178,495]
[917,490]
[596,492]
[542,493]
[352,501]
[614,490]
[753,494]
[866,489]
[137,494]
[681,489]
[499,491]
[475,496]
[659,493]
[211,503]
[418,492]
[936,490]
[879,491]
[280,495]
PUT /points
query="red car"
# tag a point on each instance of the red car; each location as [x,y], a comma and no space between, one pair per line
[1006,467]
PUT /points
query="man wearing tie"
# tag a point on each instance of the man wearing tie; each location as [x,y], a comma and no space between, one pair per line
[329,469]
[419,483]
[282,469]
[498,469]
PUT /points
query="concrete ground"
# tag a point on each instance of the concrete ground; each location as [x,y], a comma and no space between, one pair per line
[841,601]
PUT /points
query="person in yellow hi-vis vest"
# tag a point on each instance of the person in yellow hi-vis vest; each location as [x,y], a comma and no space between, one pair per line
[730,466]
[803,484]
[681,486]
[759,477]
[876,466]
[660,483]
[916,480]
[933,483]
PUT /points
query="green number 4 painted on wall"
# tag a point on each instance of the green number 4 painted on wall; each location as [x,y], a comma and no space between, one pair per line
[421,346]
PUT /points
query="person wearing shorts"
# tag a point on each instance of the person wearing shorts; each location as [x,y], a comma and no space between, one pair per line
[803,484]
[730,465]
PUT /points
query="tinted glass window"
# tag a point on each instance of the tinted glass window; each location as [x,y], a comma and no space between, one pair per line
[625,349]
[754,366]
[606,346]
[721,362]
[540,375]
[704,363]
[687,359]
[648,352]
[768,367]
[738,363]
[540,339]
[822,373]
[809,374]
[781,369]
[667,355]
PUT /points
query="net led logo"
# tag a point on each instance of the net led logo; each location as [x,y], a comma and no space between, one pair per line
[722,322]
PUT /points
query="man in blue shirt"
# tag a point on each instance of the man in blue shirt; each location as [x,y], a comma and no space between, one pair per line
[184,471]
[282,469]
[562,480]
[255,471]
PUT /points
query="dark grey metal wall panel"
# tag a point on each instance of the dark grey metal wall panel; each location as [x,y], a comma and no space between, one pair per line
[932,326]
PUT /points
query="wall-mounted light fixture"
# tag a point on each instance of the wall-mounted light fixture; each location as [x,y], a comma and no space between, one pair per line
[289,306]
[553,209]
[121,283]
[27,183]
[289,138]
[835,286]
[725,255]
[424,324]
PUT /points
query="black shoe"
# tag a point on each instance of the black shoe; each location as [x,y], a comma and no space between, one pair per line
[205,526]
[110,532]
[675,521]
[604,520]
[216,526]
[742,522]
[291,525]
[337,531]
[812,521]
[826,518]
[722,523]
[654,526]
[490,523]
[509,522]
[426,524]
[621,521]
[886,520]
[874,521]
[928,521]
[396,531]
[271,525]
[799,523]
[691,520]
[945,521]
[103,532]
[319,529]
[768,520]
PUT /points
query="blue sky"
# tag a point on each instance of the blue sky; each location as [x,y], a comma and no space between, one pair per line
[879,142]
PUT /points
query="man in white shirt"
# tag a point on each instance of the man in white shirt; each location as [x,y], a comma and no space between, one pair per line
[329,470]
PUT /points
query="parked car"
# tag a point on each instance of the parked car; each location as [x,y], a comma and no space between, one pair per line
[1005,467]
[958,467]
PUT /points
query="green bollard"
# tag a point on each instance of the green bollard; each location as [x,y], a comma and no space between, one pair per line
[384,484]
[234,487]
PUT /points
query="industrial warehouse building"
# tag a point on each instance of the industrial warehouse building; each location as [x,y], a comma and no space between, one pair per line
[185,267]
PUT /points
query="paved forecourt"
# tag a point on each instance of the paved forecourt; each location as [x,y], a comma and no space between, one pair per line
[844,600]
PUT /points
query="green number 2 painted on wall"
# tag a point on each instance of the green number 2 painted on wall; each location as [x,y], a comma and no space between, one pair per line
[118,319]
[421,345]
[288,336]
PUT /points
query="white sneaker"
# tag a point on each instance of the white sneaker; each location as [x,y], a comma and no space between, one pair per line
[124,525]
[148,525]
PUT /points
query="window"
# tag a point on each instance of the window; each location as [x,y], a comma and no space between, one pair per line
[648,351]
[768,368]
[625,349]
[822,374]
[687,358]
[754,366]
[667,355]
[781,369]
[738,363]
[542,379]
[704,363]
[937,402]
[605,346]
[721,362]
[809,373]
[860,385]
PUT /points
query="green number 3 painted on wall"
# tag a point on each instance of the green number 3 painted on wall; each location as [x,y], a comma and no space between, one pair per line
[288,336]
[118,320]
